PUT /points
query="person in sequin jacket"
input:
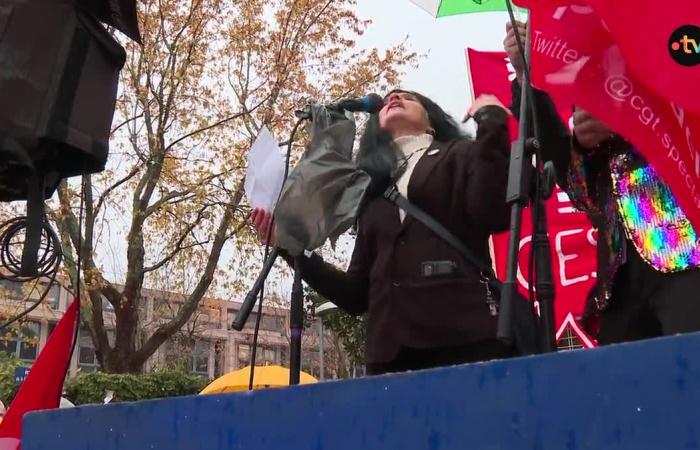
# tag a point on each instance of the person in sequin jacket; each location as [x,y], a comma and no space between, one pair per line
[648,277]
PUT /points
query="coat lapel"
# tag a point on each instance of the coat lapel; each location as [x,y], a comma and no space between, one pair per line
[421,173]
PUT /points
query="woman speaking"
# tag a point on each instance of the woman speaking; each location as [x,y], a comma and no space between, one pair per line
[426,306]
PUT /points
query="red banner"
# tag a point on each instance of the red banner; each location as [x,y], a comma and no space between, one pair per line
[573,239]
[659,45]
[43,387]
[578,61]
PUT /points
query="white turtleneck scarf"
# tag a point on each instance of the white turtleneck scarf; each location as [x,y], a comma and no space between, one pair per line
[411,150]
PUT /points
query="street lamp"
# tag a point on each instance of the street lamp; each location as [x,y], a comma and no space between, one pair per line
[323,310]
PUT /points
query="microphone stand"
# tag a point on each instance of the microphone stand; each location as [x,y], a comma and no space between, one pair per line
[520,177]
[296,324]
[296,316]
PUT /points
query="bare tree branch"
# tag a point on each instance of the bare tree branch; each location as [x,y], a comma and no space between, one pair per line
[178,245]
[215,124]
[127,121]
[135,170]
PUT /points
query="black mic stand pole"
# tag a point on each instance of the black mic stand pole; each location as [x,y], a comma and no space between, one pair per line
[296,307]
[519,185]
[296,315]
[296,324]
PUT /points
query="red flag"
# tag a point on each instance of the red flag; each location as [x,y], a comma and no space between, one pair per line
[577,61]
[573,240]
[661,45]
[43,387]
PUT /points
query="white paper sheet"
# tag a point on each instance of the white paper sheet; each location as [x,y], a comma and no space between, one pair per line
[265,174]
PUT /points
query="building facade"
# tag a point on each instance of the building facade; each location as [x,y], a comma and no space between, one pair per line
[207,345]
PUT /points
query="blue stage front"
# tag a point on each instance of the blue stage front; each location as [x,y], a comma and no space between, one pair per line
[634,396]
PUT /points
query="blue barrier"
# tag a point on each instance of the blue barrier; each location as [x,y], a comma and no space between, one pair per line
[634,396]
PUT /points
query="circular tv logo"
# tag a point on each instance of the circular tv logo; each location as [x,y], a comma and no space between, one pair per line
[684,45]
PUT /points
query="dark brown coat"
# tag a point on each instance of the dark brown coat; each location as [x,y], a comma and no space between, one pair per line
[462,184]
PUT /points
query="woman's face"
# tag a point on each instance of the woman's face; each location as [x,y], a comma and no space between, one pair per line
[402,115]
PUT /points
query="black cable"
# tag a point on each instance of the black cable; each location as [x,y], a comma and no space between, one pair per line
[48,263]
[254,345]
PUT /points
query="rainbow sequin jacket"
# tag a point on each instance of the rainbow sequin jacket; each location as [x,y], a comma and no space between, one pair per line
[629,203]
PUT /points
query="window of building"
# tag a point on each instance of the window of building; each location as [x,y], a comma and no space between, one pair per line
[175,357]
[252,318]
[32,291]
[267,323]
[230,317]
[11,290]
[269,355]
[53,297]
[22,342]
[200,358]
[232,313]
[308,363]
[243,355]
[264,355]
[87,356]
[272,323]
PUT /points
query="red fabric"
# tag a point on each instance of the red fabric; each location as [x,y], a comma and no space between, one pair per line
[43,387]
[572,236]
[643,35]
[577,61]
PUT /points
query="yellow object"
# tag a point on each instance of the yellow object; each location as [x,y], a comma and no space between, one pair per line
[265,377]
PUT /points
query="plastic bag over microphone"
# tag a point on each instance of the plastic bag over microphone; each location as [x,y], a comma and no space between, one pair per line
[322,196]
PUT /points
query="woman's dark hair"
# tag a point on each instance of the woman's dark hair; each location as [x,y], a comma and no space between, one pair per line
[377,154]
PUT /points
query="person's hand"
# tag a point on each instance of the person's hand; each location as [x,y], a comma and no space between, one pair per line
[485,100]
[511,47]
[589,131]
[262,220]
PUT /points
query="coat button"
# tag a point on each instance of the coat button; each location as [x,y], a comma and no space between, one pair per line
[402,242]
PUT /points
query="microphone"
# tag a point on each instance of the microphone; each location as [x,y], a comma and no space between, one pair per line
[370,103]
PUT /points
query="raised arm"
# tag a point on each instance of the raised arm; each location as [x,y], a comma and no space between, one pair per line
[486,165]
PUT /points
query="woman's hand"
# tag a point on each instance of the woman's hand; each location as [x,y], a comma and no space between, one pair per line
[589,131]
[262,220]
[510,44]
[485,100]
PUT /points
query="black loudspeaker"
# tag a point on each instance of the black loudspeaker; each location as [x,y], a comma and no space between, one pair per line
[59,69]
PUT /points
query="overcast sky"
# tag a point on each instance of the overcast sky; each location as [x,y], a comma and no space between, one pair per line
[442,75]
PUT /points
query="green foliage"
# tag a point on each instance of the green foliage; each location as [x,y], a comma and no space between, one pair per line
[8,389]
[92,387]
[350,330]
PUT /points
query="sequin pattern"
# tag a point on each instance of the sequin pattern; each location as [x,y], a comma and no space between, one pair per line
[652,218]
[611,235]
